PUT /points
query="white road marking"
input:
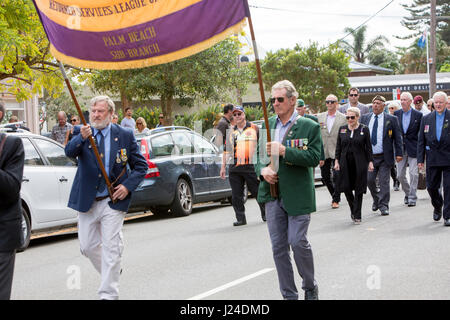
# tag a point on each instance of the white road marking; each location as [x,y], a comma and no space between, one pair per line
[231,284]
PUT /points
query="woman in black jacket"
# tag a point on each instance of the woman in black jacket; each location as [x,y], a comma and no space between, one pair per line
[353,159]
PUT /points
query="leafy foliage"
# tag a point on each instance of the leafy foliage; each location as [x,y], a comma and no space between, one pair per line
[25,61]
[419,18]
[315,72]
[358,49]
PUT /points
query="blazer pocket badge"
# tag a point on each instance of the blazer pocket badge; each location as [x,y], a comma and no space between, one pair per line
[390,133]
[343,130]
[426,129]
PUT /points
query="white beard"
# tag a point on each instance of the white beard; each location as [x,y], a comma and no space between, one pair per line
[99,125]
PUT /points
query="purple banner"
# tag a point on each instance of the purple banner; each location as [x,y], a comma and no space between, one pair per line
[169,34]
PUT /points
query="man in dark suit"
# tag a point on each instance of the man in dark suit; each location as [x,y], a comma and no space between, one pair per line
[409,121]
[386,138]
[11,172]
[434,147]
[100,220]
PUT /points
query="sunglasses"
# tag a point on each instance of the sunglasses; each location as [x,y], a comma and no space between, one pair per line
[73,120]
[350,117]
[237,114]
[330,101]
[279,99]
[138,122]
[353,95]
[418,102]
[161,117]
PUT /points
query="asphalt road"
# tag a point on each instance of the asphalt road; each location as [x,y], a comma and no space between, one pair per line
[401,256]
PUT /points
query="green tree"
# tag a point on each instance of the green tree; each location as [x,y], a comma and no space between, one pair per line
[26,65]
[386,59]
[358,49]
[211,75]
[419,18]
[315,72]
[414,58]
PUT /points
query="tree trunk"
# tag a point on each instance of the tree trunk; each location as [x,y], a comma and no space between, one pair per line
[124,100]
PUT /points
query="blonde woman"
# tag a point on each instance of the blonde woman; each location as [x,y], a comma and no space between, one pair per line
[141,126]
[353,159]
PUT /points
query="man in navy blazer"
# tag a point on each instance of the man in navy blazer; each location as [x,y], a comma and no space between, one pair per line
[386,142]
[434,147]
[409,121]
[100,218]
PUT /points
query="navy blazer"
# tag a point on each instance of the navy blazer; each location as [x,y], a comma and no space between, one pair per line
[410,138]
[11,172]
[392,137]
[437,152]
[84,188]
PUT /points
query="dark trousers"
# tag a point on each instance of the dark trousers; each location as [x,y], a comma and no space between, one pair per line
[237,180]
[434,178]
[329,178]
[6,273]
[355,203]
[382,170]
[394,175]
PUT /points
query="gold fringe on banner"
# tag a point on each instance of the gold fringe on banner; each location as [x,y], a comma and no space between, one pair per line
[142,63]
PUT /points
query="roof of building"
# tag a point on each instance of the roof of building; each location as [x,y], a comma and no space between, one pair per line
[362,67]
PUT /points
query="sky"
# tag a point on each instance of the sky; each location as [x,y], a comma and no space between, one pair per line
[323,21]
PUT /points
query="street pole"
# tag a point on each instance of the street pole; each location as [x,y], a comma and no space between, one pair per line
[428,56]
[433,49]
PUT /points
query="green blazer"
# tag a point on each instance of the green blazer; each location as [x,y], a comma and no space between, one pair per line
[295,171]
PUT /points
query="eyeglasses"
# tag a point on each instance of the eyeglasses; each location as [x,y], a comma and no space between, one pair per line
[330,101]
[279,99]
[73,120]
[353,95]
[350,117]
[237,114]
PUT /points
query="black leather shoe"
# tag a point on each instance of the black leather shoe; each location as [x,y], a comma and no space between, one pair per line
[374,207]
[411,204]
[312,294]
[406,201]
[239,223]
[437,214]
[385,212]
[263,217]
[396,186]
[447,222]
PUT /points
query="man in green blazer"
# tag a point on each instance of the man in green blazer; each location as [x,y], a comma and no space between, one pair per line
[296,148]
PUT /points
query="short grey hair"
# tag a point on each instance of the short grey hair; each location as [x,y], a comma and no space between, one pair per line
[408,94]
[355,110]
[395,104]
[286,84]
[440,94]
[111,105]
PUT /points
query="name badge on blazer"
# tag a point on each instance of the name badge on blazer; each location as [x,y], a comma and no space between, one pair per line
[426,129]
[323,125]
[445,124]
[344,131]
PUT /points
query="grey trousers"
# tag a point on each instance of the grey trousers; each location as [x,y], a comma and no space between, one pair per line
[7,260]
[290,232]
[410,188]
[383,171]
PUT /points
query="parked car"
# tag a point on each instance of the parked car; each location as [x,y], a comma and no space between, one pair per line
[183,169]
[47,180]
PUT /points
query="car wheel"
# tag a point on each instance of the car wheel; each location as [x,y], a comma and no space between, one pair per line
[182,204]
[26,230]
[159,210]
